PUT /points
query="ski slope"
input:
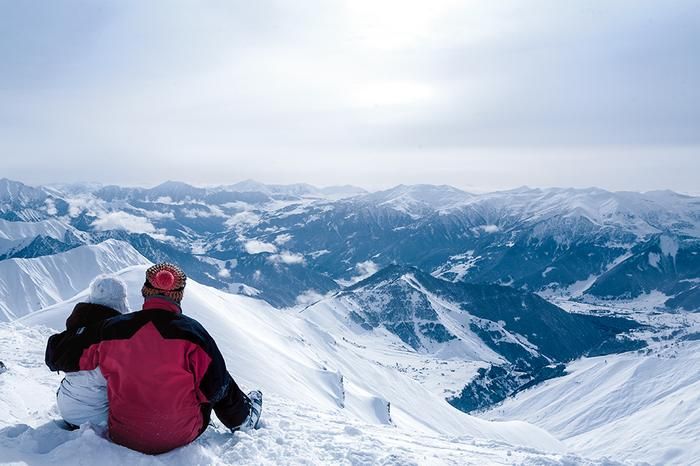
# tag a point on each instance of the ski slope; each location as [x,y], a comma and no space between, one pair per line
[640,406]
[325,403]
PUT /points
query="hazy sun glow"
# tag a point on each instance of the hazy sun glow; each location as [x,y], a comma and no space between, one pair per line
[374,93]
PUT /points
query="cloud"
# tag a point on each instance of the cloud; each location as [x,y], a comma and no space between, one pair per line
[287,257]
[202,213]
[243,218]
[157,215]
[256,247]
[309,297]
[364,270]
[85,203]
[124,221]
[283,238]
[50,206]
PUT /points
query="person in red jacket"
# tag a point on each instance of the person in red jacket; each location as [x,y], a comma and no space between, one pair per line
[164,372]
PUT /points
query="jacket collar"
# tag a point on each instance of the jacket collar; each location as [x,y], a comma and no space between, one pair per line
[161,302]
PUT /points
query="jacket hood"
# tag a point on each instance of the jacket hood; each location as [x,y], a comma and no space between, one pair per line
[109,291]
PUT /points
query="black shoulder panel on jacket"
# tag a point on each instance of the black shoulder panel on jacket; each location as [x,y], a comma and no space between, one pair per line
[85,314]
[63,350]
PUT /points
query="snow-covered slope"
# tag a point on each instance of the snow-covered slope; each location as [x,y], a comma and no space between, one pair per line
[417,200]
[292,357]
[30,284]
[326,402]
[291,434]
[443,371]
[638,213]
[26,203]
[16,234]
[641,406]
[504,337]
[13,231]
[14,191]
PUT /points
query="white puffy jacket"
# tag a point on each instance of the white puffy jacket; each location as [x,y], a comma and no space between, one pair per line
[82,397]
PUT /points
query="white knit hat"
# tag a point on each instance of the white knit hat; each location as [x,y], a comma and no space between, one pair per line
[109,291]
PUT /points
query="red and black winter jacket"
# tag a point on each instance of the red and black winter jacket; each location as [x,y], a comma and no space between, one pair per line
[164,375]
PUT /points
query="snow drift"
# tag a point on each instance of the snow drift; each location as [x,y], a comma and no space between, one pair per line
[640,406]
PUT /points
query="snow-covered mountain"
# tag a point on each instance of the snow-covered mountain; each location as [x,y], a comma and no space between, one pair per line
[28,285]
[417,200]
[304,239]
[297,189]
[291,245]
[16,237]
[642,406]
[666,264]
[19,202]
[517,336]
[494,296]
[325,396]
[14,192]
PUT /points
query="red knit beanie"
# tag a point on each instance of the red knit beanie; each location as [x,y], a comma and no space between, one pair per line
[164,280]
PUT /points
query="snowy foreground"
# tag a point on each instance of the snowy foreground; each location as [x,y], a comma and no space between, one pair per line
[641,406]
[326,402]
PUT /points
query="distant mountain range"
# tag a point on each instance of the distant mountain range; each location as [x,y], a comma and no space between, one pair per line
[427,269]
[285,242]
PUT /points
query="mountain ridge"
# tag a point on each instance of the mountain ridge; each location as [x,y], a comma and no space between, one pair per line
[429,315]
[549,240]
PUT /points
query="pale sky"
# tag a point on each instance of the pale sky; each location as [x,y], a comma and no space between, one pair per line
[478,94]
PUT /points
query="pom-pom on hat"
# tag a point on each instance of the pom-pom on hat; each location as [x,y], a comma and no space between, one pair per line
[164,280]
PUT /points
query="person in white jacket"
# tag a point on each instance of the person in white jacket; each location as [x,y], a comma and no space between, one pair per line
[82,395]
